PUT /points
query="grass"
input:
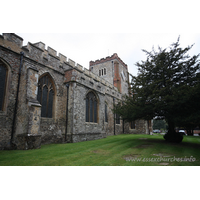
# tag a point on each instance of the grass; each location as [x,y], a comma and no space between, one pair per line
[118,150]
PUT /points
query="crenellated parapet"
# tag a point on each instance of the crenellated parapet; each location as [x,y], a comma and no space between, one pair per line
[36,52]
[13,38]
[59,62]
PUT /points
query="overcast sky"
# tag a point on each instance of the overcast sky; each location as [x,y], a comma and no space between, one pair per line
[84,47]
[90,30]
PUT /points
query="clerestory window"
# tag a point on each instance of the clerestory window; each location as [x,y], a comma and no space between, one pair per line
[46,95]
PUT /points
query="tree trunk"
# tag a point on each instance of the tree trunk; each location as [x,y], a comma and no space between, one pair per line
[189,131]
[171,135]
[171,127]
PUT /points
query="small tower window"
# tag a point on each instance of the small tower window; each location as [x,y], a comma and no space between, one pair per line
[104,71]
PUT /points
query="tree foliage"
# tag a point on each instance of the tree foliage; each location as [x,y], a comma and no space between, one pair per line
[167,87]
[159,124]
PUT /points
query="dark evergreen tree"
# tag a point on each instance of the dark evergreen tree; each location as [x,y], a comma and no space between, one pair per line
[167,87]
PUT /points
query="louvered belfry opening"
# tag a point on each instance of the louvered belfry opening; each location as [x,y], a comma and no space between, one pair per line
[46,95]
[91,108]
[3,76]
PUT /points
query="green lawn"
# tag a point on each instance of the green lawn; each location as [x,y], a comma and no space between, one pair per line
[118,150]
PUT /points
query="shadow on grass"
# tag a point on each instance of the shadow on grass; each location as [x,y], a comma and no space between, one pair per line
[164,142]
[191,145]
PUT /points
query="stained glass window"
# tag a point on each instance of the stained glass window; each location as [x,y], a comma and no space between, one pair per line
[91,108]
[46,96]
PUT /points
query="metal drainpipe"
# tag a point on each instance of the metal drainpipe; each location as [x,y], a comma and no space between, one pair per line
[16,102]
[67,85]
[114,114]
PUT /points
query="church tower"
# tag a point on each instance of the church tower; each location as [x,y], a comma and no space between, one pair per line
[113,70]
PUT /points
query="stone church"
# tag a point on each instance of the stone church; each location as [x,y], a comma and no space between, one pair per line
[48,98]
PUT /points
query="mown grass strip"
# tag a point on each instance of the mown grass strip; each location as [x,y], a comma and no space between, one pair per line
[109,151]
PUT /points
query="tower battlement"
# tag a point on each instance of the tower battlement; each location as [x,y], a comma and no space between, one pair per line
[108,58]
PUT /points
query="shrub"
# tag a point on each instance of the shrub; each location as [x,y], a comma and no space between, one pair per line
[173,137]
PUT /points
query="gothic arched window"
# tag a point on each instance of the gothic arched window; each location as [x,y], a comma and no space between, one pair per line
[91,108]
[3,77]
[46,95]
